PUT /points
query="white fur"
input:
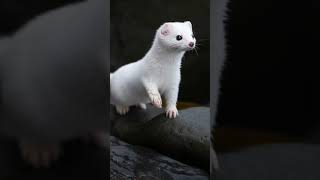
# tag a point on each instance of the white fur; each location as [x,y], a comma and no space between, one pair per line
[156,74]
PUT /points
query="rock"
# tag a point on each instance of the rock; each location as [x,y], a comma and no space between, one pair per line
[135,162]
[186,138]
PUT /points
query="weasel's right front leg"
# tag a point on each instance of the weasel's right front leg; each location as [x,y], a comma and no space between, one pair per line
[153,94]
[122,110]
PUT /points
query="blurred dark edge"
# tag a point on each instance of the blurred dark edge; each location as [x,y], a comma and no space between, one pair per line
[80,160]
[217,58]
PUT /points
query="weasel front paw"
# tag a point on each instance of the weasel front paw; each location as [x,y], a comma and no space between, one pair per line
[155,99]
[122,110]
[39,155]
[143,106]
[172,112]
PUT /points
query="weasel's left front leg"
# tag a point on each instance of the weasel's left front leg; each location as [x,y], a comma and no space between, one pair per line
[171,96]
[153,93]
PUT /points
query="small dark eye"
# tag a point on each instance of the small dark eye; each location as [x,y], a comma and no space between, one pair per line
[178,37]
[192,36]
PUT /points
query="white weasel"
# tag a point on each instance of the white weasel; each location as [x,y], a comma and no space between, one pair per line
[156,74]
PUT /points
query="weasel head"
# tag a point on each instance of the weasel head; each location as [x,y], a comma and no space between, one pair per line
[177,35]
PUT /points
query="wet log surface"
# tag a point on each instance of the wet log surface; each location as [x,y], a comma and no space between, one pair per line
[129,162]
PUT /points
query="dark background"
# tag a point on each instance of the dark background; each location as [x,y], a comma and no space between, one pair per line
[133,27]
[269,80]
[15,13]
[268,124]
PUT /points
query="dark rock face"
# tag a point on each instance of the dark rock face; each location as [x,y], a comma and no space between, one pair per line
[186,138]
[133,26]
[135,162]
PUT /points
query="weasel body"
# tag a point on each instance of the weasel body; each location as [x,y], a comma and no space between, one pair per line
[156,74]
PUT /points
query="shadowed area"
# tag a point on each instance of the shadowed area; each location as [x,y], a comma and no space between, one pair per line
[79,161]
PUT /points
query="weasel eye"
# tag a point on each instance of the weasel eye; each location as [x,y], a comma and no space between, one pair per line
[178,37]
[193,36]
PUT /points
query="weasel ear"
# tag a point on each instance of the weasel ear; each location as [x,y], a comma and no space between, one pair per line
[189,24]
[165,29]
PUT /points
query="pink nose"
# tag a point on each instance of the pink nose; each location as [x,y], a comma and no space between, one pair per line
[191,44]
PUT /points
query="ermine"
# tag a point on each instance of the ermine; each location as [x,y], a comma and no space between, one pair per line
[157,74]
